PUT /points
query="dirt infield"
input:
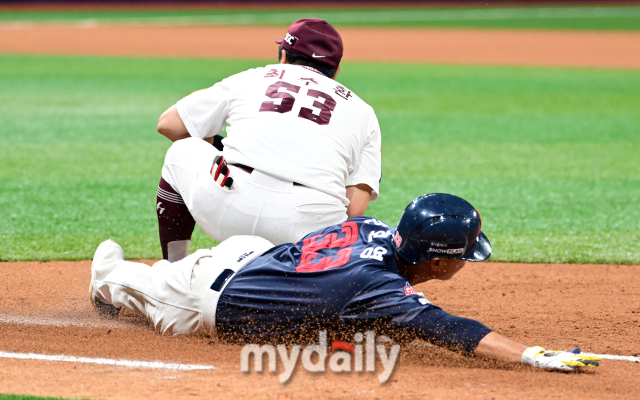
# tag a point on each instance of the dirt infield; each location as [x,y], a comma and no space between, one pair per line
[450,46]
[44,309]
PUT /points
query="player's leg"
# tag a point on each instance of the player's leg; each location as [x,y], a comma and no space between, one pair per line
[222,213]
[241,216]
[185,161]
[306,210]
[175,223]
[159,293]
[178,298]
[278,210]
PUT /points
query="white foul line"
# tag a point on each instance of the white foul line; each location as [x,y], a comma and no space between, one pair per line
[106,361]
[603,356]
[65,321]
[612,357]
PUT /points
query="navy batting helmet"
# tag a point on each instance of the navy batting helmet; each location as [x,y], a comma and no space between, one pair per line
[440,225]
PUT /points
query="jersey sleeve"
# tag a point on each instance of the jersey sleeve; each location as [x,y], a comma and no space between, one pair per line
[368,169]
[446,330]
[206,111]
[392,303]
[389,298]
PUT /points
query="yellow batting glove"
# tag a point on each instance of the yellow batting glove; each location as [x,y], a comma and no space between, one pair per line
[538,357]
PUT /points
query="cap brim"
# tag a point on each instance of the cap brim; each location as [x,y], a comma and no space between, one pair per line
[279,41]
[481,249]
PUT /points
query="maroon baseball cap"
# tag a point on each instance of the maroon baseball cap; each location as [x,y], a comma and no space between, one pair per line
[315,39]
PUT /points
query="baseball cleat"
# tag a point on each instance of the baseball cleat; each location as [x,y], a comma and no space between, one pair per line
[104,309]
[107,249]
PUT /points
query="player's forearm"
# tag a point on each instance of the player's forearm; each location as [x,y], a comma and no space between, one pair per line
[499,347]
[359,197]
[467,335]
[171,126]
[455,333]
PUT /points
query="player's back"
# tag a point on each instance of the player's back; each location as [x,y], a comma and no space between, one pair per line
[289,121]
[332,274]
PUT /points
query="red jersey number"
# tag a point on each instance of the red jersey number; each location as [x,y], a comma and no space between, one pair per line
[286,105]
[309,261]
[274,92]
[325,108]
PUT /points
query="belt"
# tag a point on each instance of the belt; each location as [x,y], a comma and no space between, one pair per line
[210,301]
[222,279]
[249,170]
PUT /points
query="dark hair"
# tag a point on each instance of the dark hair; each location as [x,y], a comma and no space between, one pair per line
[293,58]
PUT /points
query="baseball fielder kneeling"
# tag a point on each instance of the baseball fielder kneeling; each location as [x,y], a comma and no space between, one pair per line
[302,151]
[349,277]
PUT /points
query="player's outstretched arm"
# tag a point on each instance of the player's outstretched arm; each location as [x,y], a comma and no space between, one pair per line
[499,347]
[470,336]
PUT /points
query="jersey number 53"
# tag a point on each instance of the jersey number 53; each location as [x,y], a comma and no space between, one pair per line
[286,104]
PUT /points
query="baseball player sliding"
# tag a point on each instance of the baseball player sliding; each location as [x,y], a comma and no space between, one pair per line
[302,151]
[353,276]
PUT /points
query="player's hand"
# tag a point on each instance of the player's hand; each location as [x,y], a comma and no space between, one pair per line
[220,173]
[559,360]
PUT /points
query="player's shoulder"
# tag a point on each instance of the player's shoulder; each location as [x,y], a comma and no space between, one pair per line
[354,103]
[309,76]
[369,221]
[247,74]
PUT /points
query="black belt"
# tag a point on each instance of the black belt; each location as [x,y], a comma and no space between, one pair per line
[221,279]
[249,170]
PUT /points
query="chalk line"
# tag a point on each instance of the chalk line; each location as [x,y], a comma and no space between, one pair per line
[603,356]
[612,357]
[106,361]
[66,321]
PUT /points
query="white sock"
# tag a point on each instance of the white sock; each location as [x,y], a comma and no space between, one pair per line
[178,250]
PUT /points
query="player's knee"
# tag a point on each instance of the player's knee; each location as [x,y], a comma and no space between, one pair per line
[187,150]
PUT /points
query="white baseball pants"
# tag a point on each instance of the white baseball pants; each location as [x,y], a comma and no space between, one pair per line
[258,204]
[179,298]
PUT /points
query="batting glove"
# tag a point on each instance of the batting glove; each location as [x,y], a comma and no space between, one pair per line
[220,173]
[557,360]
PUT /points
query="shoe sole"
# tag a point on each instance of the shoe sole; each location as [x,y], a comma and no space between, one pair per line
[104,309]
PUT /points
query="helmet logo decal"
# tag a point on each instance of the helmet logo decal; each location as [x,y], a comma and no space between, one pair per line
[446,248]
[446,251]
[397,239]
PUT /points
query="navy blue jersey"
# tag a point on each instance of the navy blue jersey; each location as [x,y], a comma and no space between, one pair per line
[345,275]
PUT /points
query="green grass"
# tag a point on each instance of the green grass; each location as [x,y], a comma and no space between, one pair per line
[550,157]
[609,18]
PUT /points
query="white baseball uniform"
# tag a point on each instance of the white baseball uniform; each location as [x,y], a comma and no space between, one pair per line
[306,136]
[176,297]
